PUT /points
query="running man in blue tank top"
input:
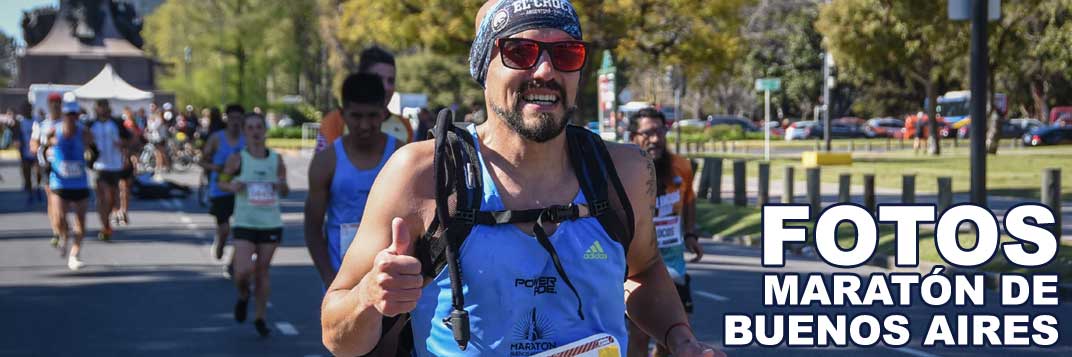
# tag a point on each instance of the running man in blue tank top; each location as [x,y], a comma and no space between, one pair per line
[528,57]
[65,150]
[214,155]
[341,176]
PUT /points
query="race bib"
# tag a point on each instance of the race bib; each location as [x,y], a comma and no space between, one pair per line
[261,194]
[71,169]
[598,345]
[346,236]
[668,231]
[666,203]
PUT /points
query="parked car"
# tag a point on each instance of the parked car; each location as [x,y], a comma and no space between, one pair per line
[1011,129]
[1062,114]
[847,127]
[885,128]
[1049,135]
[806,129]
[745,124]
[689,123]
[1026,124]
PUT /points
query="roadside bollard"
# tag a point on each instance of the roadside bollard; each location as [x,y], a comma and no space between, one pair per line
[945,193]
[764,183]
[844,180]
[908,188]
[739,197]
[814,194]
[787,191]
[1051,195]
[869,192]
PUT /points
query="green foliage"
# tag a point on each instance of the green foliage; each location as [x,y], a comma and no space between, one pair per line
[445,79]
[237,54]
[7,59]
[293,132]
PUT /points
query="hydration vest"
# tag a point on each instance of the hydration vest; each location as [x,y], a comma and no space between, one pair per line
[459,193]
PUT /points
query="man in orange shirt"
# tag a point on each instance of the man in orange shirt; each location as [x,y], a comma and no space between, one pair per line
[373,60]
[675,212]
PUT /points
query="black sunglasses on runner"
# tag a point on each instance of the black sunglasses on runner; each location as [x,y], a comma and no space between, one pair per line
[523,54]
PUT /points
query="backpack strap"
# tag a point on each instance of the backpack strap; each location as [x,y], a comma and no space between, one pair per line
[599,181]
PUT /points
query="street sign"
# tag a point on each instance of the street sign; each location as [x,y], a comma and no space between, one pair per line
[768,84]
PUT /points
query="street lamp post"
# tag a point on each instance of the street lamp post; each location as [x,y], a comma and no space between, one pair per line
[978,101]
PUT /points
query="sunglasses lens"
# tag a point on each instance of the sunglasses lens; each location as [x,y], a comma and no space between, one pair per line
[568,56]
[520,54]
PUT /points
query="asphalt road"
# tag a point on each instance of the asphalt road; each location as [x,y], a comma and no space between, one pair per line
[155,290]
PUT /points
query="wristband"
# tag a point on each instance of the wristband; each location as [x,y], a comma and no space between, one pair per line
[666,336]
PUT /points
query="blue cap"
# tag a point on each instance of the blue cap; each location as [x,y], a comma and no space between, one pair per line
[71,107]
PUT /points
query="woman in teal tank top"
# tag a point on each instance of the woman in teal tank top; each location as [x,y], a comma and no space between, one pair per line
[258,179]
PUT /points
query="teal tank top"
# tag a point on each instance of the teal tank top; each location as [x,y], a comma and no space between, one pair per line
[257,206]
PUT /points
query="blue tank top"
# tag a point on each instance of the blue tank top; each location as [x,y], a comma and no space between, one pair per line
[68,161]
[223,151]
[349,192]
[25,132]
[517,303]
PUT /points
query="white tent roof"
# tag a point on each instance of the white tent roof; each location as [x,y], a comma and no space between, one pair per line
[108,85]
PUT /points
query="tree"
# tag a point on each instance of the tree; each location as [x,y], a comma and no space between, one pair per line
[913,37]
[445,80]
[783,42]
[246,47]
[8,67]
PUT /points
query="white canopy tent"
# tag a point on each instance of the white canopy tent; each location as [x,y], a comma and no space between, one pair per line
[120,94]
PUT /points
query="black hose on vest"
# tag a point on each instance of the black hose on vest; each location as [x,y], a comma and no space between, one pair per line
[458,321]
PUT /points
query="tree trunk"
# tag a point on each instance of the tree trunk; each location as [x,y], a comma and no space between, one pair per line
[993,131]
[1038,94]
[934,140]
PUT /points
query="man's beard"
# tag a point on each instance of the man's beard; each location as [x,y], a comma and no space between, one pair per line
[663,171]
[546,127]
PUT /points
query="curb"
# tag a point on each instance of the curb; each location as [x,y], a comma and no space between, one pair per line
[991,280]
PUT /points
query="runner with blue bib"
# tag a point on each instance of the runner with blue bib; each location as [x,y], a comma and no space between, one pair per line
[341,176]
[516,237]
[66,147]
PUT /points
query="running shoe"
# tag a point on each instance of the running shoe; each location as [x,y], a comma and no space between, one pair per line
[74,263]
[55,241]
[262,327]
[104,236]
[240,308]
[123,217]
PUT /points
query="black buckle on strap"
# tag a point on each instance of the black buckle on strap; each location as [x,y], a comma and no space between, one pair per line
[558,213]
[464,216]
[598,208]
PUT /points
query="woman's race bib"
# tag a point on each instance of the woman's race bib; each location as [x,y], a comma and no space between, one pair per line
[71,169]
[347,231]
[261,193]
[668,231]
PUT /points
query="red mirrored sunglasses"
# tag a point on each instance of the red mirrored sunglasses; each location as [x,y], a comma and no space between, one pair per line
[523,54]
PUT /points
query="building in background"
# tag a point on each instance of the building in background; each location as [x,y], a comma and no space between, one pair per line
[72,44]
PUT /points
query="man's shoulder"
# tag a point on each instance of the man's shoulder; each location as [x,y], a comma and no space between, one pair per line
[680,163]
[627,156]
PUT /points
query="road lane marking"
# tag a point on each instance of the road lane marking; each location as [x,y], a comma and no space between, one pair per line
[711,296]
[286,328]
[914,352]
[185,219]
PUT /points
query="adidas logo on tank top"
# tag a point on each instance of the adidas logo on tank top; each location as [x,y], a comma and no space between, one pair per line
[595,252]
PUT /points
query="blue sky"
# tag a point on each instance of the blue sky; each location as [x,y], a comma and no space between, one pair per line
[11,15]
